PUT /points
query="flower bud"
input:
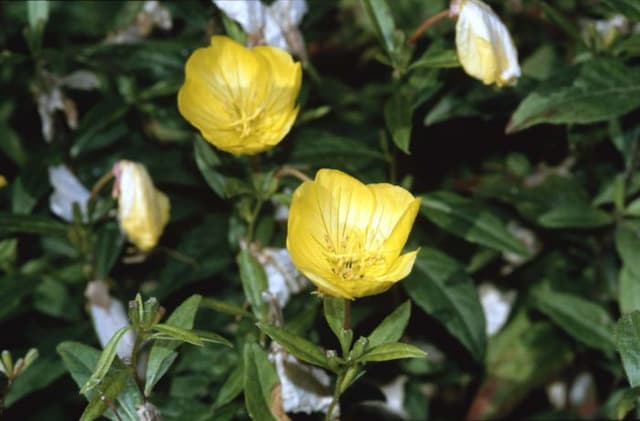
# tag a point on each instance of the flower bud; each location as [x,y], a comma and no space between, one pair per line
[67,190]
[485,48]
[143,210]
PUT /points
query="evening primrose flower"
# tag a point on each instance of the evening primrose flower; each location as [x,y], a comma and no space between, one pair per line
[242,100]
[485,48]
[346,237]
[143,210]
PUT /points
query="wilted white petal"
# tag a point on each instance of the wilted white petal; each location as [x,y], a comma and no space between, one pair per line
[557,394]
[148,412]
[81,79]
[67,190]
[394,395]
[304,388]
[251,15]
[109,316]
[282,276]
[160,15]
[581,389]
[496,306]
[527,238]
[48,103]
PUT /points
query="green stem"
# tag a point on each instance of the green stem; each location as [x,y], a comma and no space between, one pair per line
[3,393]
[252,222]
[336,397]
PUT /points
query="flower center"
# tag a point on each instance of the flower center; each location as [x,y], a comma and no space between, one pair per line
[349,259]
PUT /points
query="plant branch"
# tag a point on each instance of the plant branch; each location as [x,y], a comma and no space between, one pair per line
[427,24]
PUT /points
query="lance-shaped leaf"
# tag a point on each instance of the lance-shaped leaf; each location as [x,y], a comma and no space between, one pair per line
[627,336]
[259,380]
[298,346]
[441,287]
[392,351]
[163,353]
[254,281]
[105,360]
[392,327]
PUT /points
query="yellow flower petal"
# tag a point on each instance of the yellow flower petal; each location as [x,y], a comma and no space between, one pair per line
[242,100]
[346,237]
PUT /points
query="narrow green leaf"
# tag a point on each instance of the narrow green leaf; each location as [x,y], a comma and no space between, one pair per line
[223,307]
[180,334]
[232,387]
[586,321]
[334,314]
[31,224]
[106,359]
[392,351]
[206,161]
[38,13]
[628,244]
[211,337]
[629,8]
[392,327]
[380,14]
[436,58]
[441,287]
[109,388]
[627,337]
[298,346]
[108,247]
[626,402]
[161,351]
[628,290]
[254,281]
[259,380]
[471,221]
[398,114]
[80,359]
[601,90]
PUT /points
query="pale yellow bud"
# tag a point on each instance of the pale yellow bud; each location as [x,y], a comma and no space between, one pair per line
[143,210]
[485,48]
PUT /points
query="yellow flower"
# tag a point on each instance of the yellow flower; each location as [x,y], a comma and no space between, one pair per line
[143,210]
[485,48]
[346,237]
[242,100]
[3,181]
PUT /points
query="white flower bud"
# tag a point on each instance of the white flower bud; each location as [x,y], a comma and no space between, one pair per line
[485,48]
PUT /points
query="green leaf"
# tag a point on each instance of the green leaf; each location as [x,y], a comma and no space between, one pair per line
[101,126]
[232,387]
[108,247]
[173,332]
[628,244]
[392,327]
[80,359]
[627,339]
[162,353]
[206,161]
[12,291]
[628,290]
[574,216]
[436,58]
[224,307]
[392,351]
[104,362]
[334,314]
[441,287]
[398,113]
[259,380]
[298,346]
[629,8]
[603,89]
[469,220]
[109,388]
[586,321]
[254,282]
[211,337]
[626,401]
[380,14]
[523,356]
[31,224]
